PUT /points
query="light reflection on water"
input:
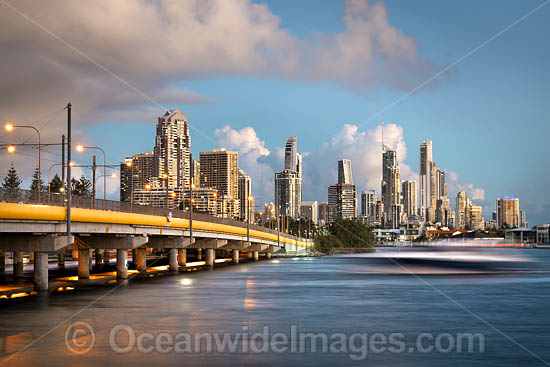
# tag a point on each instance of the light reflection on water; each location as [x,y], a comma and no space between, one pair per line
[330,294]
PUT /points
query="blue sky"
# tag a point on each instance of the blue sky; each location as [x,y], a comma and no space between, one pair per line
[488,116]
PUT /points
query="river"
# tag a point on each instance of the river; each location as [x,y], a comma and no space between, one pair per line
[361,311]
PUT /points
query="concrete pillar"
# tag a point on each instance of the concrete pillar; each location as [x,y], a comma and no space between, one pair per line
[121,257]
[182,257]
[61,258]
[41,271]
[141,259]
[2,261]
[83,263]
[75,254]
[134,258]
[31,257]
[173,259]
[199,254]
[268,255]
[90,261]
[210,257]
[235,256]
[98,257]
[255,255]
[18,264]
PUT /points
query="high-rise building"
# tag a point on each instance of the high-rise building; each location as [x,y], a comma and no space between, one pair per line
[323,212]
[391,186]
[287,197]
[475,217]
[441,185]
[425,177]
[443,212]
[135,172]
[344,172]
[245,192]
[195,172]
[508,212]
[288,183]
[308,210]
[409,191]
[173,150]
[368,203]
[461,205]
[219,169]
[291,154]
[342,202]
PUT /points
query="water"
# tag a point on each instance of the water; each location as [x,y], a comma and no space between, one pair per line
[322,295]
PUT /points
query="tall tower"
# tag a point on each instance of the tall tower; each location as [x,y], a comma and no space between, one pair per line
[425,178]
[288,183]
[409,191]
[219,169]
[173,149]
[461,205]
[245,190]
[344,172]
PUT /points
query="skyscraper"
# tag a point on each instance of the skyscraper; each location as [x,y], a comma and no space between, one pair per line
[425,176]
[308,210]
[219,169]
[461,204]
[409,191]
[287,196]
[391,186]
[368,203]
[441,185]
[288,183]
[173,150]
[341,202]
[443,212]
[508,212]
[344,172]
[342,197]
[245,191]
[135,172]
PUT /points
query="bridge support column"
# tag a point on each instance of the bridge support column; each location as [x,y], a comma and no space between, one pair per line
[210,256]
[199,254]
[83,263]
[61,258]
[235,256]
[18,264]
[182,257]
[41,271]
[173,259]
[2,261]
[255,255]
[98,257]
[31,257]
[141,259]
[268,255]
[121,257]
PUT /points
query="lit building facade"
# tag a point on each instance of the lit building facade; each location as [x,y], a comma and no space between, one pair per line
[508,212]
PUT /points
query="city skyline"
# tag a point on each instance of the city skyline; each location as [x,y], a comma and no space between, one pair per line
[469,112]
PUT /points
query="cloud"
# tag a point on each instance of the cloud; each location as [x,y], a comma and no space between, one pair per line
[156,45]
[363,148]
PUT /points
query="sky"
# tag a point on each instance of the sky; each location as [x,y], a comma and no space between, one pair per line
[470,76]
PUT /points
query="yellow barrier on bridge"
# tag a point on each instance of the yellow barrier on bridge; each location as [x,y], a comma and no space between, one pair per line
[58,213]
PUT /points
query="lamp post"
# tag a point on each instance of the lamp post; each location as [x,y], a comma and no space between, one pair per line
[248,199]
[165,178]
[80,148]
[113,175]
[130,164]
[191,186]
[9,127]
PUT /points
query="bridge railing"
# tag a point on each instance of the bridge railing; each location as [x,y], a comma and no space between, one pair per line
[56,199]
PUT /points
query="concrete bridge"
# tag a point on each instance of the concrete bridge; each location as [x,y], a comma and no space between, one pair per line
[42,229]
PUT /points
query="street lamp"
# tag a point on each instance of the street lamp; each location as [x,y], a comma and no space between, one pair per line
[130,164]
[9,128]
[148,188]
[248,200]
[80,148]
[165,178]
[11,149]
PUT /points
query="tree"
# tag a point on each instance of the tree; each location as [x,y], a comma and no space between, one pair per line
[81,187]
[56,184]
[326,243]
[35,184]
[12,183]
[352,233]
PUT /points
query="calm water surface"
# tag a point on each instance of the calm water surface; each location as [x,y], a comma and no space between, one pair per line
[321,295]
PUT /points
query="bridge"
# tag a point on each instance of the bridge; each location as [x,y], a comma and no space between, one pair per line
[41,229]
